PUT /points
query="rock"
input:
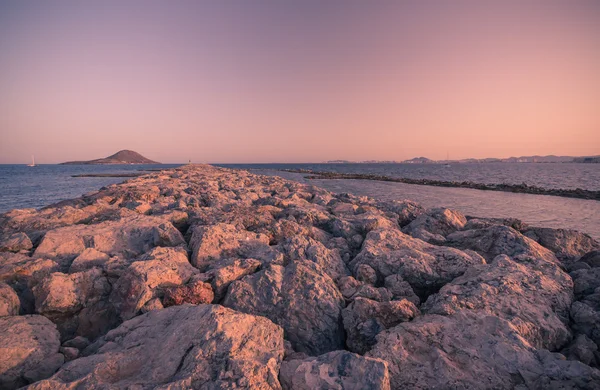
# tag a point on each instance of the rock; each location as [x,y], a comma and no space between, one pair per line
[435,224]
[89,258]
[380,294]
[365,318]
[424,266]
[22,273]
[366,274]
[30,350]
[195,293]
[301,298]
[153,304]
[472,351]
[69,353]
[586,321]
[348,286]
[127,237]
[290,354]
[9,301]
[180,347]
[585,281]
[482,223]
[335,370]
[592,258]
[77,303]
[15,242]
[577,266]
[147,278]
[216,242]
[568,245]
[499,240]
[400,289]
[78,342]
[582,349]
[534,297]
[407,210]
[303,248]
[230,270]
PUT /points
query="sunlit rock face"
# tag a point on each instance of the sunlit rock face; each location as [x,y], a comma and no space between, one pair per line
[207,278]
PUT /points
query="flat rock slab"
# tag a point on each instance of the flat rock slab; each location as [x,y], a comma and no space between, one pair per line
[128,237]
[335,370]
[181,347]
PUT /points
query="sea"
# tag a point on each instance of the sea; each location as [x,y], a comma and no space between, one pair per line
[36,187]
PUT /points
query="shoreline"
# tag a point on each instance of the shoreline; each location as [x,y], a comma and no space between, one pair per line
[303,283]
[515,188]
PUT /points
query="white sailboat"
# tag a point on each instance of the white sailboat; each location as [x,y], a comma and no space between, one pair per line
[447,165]
[32,162]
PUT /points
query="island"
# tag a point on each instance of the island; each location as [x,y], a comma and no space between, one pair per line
[121,157]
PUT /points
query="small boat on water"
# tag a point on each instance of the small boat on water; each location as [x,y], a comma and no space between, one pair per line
[32,162]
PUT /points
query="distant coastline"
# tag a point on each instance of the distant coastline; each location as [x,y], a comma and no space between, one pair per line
[522,159]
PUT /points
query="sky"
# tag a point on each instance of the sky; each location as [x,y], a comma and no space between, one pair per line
[298,81]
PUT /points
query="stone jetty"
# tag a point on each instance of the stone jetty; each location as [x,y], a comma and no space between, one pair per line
[207,278]
[522,188]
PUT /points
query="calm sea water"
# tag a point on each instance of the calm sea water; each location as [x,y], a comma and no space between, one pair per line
[565,176]
[25,187]
[34,187]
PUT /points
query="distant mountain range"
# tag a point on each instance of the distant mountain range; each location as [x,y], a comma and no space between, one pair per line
[121,157]
[522,159]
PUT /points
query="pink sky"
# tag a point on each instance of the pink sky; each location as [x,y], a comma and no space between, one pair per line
[277,81]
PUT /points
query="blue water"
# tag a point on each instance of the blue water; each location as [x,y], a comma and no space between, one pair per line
[34,187]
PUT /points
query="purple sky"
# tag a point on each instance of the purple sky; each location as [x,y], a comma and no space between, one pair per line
[301,81]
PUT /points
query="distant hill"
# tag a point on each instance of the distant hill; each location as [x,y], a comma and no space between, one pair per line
[419,160]
[121,157]
[522,159]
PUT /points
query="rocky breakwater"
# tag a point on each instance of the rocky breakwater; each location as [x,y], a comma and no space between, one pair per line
[208,278]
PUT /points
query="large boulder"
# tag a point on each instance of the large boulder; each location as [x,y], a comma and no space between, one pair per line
[223,272]
[216,242]
[364,319]
[9,301]
[77,303]
[15,242]
[306,248]
[499,240]
[424,266]
[335,370]
[568,245]
[88,259]
[406,210]
[435,224]
[473,351]
[146,278]
[29,350]
[22,273]
[127,237]
[181,347]
[300,297]
[535,297]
